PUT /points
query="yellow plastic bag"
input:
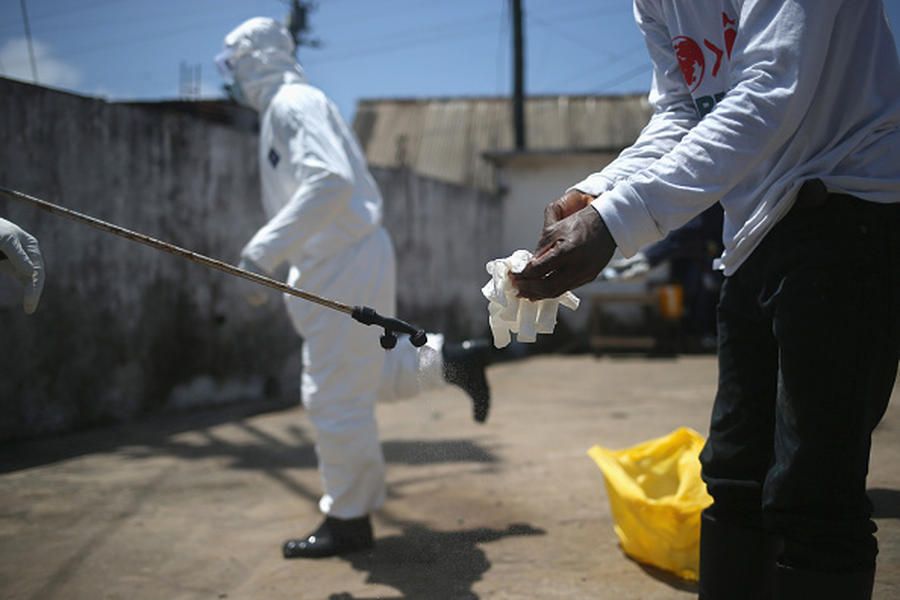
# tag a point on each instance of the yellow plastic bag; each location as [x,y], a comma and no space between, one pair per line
[656,496]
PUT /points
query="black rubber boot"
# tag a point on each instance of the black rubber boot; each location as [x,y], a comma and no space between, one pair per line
[736,563]
[793,583]
[464,366]
[331,538]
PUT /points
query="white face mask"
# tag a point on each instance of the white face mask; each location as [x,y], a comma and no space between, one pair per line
[225,65]
[236,93]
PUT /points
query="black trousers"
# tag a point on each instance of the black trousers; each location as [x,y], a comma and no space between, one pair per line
[809,340]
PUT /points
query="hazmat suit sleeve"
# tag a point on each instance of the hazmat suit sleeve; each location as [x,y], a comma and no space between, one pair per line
[673,110]
[778,59]
[20,256]
[320,170]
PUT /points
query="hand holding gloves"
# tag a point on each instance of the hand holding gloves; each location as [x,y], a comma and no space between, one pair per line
[508,313]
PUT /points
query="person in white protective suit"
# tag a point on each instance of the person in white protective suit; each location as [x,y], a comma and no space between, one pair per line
[20,256]
[324,212]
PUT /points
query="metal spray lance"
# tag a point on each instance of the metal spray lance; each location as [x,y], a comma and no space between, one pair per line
[362,314]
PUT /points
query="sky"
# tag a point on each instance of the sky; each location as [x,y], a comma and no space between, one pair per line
[134,49]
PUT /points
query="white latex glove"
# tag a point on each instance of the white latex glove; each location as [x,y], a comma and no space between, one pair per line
[510,314]
[255,294]
[628,268]
[23,261]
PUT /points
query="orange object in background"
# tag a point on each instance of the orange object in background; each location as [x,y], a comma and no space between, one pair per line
[671,301]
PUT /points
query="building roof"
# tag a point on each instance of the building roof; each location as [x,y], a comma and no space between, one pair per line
[447,138]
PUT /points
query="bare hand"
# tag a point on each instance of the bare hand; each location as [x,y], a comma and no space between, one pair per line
[566,205]
[572,251]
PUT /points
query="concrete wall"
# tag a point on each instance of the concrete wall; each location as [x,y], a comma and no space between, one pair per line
[123,329]
[443,234]
[532,182]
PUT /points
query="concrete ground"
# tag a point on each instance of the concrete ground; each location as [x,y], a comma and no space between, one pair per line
[196,506]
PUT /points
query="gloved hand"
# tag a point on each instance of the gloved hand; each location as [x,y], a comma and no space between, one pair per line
[23,261]
[255,294]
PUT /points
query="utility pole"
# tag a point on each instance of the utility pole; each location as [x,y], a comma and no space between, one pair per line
[298,23]
[190,80]
[518,75]
[34,71]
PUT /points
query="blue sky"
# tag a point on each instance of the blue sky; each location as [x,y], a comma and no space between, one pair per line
[132,49]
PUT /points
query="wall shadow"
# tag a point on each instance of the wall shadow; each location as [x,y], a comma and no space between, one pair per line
[425,563]
[254,449]
[155,435]
[151,431]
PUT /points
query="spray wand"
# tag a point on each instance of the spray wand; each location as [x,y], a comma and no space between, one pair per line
[362,314]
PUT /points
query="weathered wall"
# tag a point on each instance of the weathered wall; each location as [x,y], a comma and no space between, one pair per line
[443,234]
[124,329]
[530,182]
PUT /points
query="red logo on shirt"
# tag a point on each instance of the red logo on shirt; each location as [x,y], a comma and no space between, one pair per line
[691,59]
[730,27]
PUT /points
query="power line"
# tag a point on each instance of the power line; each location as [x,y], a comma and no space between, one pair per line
[416,37]
[565,17]
[134,40]
[78,7]
[402,39]
[34,72]
[569,16]
[623,77]
[118,22]
[608,58]
[425,37]
[501,42]
[394,47]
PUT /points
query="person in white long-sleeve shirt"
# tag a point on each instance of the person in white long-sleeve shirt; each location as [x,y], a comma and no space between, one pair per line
[787,113]
[324,221]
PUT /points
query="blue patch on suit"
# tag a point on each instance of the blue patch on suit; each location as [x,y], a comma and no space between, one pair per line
[273,157]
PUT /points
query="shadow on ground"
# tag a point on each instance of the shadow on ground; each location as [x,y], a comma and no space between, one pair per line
[425,563]
[157,435]
[151,430]
[670,579]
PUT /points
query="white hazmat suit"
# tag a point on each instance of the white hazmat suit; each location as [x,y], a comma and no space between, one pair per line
[324,213]
[20,256]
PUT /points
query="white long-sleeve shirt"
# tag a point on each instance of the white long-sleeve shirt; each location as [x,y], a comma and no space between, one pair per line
[752,98]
